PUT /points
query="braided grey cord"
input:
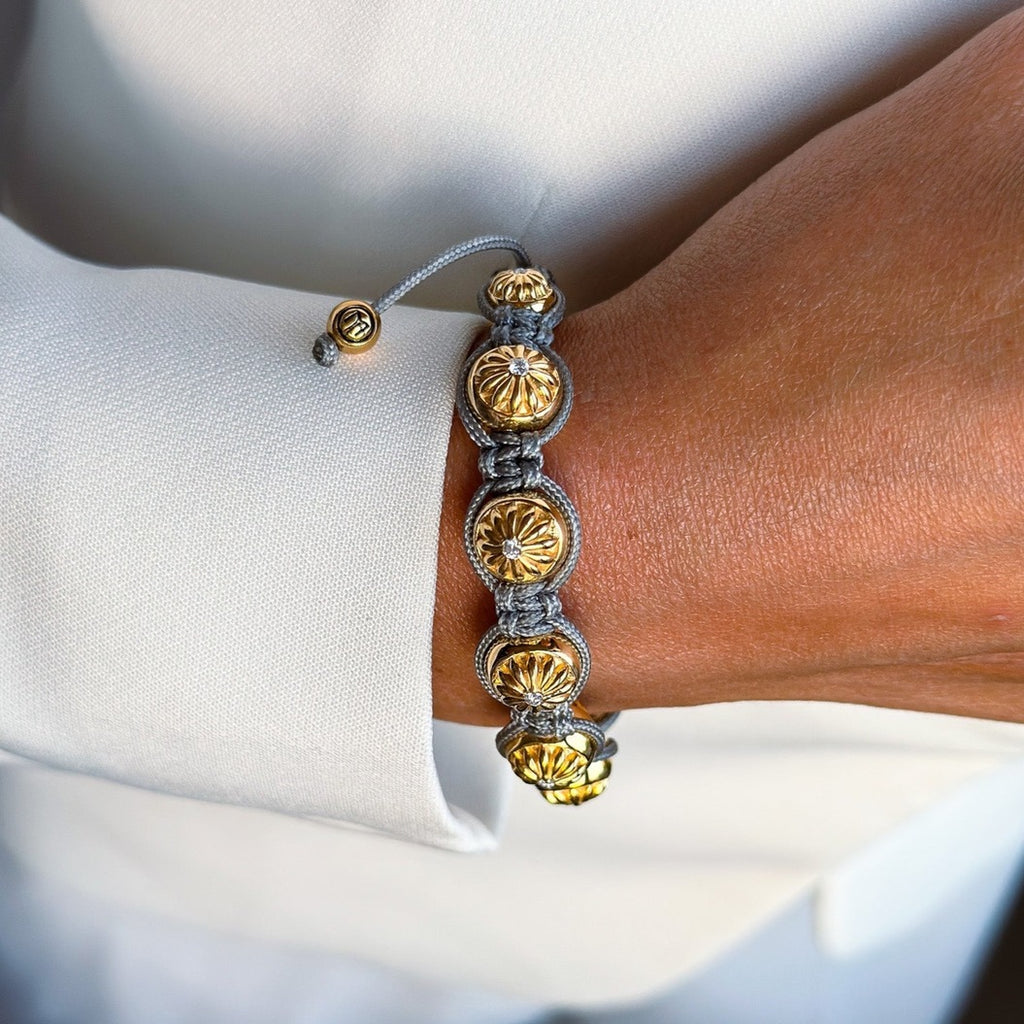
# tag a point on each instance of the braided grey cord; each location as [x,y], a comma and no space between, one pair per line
[512,461]
[509,462]
[441,260]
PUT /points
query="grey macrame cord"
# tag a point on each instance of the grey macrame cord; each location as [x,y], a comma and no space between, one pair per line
[513,461]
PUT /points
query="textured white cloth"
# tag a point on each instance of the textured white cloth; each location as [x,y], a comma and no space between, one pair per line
[115,965]
[192,582]
[217,559]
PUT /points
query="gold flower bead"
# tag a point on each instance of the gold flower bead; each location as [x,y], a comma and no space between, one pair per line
[537,674]
[520,538]
[551,763]
[512,387]
[594,782]
[524,287]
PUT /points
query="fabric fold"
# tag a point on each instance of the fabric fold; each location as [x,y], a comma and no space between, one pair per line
[217,558]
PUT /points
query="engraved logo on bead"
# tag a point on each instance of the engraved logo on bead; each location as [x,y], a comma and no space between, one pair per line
[520,538]
[534,679]
[354,325]
[524,287]
[513,387]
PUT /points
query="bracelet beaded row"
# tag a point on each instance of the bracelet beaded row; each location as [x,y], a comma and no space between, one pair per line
[522,536]
[522,533]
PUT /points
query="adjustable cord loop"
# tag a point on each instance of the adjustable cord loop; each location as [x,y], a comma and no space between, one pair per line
[484,243]
[354,325]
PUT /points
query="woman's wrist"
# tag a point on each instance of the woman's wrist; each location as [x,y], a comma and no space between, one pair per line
[721,560]
[634,589]
[797,447]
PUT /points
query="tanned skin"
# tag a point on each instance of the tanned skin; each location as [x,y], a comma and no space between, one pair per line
[797,446]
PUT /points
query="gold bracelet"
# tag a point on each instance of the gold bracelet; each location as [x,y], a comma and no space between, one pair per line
[521,532]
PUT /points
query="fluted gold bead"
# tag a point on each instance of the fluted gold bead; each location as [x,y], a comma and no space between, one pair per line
[524,287]
[513,387]
[354,325]
[580,711]
[533,673]
[521,538]
[551,763]
[593,783]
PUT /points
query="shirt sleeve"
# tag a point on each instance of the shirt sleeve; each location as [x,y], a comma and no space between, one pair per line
[218,558]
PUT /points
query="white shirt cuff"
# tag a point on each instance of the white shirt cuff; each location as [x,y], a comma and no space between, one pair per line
[218,568]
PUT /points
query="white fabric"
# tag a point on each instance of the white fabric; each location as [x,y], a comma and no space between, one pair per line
[217,559]
[192,585]
[722,815]
[878,893]
[66,958]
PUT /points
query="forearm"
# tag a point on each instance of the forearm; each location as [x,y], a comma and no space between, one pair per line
[798,443]
[713,573]
[722,576]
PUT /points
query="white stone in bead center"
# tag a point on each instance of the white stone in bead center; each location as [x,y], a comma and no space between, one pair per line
[511,548]
[518,367]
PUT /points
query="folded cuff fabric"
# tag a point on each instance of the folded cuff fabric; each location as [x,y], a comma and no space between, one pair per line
[217,558]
